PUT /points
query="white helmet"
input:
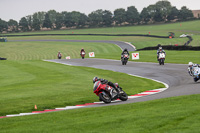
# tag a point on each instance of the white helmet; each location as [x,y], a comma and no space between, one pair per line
[190,64]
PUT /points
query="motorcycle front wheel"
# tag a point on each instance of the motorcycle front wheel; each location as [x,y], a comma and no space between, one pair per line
[105,97]
[123,96]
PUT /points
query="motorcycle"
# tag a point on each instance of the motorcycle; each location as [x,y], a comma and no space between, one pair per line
[161,58]
[107,93]
[124,59]
[196,73]
[83,54]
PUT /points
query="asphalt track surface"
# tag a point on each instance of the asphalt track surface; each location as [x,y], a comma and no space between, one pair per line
[175,75]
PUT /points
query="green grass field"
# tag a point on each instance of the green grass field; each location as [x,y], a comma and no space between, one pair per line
[26,80]
[48,50]
[177,57]
[138,42]
[171,115]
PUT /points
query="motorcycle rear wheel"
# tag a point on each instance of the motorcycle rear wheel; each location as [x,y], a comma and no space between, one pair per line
[105,97]
[123,96]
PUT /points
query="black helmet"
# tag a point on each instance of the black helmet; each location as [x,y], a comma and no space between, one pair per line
[159,45]
[125,49]
[95,79]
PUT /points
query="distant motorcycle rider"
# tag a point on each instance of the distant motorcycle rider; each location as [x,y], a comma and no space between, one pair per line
[59,55]
[160,50]
[125,51]
[82,50]
[104,81]
[190,68]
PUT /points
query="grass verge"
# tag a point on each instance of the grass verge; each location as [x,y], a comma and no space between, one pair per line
[177,114]
[177,57]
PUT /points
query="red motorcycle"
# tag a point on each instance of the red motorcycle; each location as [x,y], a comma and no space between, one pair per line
[83,54]
[124,59]
[107,93]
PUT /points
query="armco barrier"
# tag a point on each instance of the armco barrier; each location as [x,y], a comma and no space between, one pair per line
[2,58]
[171,47]
[145,35]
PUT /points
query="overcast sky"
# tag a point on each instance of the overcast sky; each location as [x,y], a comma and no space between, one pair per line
[16,9]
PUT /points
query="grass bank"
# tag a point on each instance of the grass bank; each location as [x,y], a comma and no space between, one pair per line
[178,114]
[177,57]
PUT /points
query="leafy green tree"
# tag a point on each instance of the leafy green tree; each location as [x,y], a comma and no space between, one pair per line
[144,16]
[163,9]
[132,15]
[151,9]
[83,19]
[158,16]
[107,18]
[52,15]
[185,13]
[67,19]
[30,21]
[95,18]
[13,25]
[36,23]
[23,23]
[173,14]
[75,16]
[47,22]
[40,16]
[59,20]
[120,16]
[3,25]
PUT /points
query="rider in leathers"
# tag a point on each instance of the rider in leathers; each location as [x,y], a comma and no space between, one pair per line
[104,81]
[82,50]
[159,51]
[125,51]
[191,66]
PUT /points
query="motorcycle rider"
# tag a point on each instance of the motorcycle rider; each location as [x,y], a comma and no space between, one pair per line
[104,81]
[160,50]
[59,55]
[125,51]
[82,50]
[191,66]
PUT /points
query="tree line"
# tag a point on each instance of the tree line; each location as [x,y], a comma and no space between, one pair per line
[162,11]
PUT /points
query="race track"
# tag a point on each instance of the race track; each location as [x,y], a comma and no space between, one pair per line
[175,75]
